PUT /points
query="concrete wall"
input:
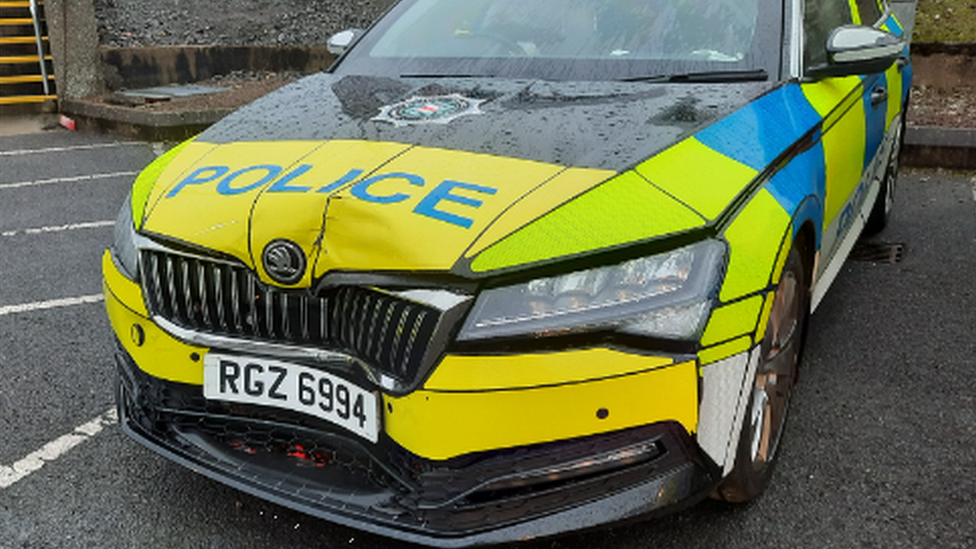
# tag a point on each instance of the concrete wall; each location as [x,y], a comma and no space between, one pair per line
[74,46]
[132,68]
[944,66]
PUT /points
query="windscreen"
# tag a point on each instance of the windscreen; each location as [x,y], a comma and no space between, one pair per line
[570,38]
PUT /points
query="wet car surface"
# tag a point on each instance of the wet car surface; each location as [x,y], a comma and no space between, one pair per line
[481,289]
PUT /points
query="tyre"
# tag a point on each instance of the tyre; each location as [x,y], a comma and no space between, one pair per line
[772,387]
[881,210]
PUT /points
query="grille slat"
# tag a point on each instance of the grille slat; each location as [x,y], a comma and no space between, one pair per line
[401,325]
[408,350]
[236,302]
[218,277]
[380,304]
[303,312]
[364,311]
[384,329]
[184,272]
[388,332]
[323,322]
[171,286]
[269,313]
[256,300]
[157,283]
[202,291]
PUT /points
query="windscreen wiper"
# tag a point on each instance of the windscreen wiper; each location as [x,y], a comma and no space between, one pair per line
[742,75]
[444,75]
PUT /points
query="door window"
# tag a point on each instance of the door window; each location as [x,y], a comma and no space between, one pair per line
[820,17]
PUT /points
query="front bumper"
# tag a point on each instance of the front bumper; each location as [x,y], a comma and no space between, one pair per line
[482,498]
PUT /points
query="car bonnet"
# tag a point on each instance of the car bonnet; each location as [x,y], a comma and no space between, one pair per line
[377,174]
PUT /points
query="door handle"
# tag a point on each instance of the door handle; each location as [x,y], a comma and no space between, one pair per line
[879,95]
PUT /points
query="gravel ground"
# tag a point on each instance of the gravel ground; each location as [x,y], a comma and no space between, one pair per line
[943,108]
[237,22]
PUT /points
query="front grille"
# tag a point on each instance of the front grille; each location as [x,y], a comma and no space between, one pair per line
[388,332]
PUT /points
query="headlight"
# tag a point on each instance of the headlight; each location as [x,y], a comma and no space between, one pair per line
[667,295]
[124,247]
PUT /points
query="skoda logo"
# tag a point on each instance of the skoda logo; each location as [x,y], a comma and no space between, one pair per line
[284,261]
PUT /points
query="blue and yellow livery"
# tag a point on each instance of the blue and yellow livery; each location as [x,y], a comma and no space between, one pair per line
[509,268]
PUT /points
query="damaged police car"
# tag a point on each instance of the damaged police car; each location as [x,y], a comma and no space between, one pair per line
[511,267]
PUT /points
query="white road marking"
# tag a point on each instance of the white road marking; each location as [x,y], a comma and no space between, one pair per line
[55,449]
[48,150]
[61,228]
[92,177]
[51,304]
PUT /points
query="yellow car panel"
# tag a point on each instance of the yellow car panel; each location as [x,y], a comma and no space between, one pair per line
[152,349]
[174,171]
[440,425]
[294,208]
[472,373]
[211,206]
[442,198]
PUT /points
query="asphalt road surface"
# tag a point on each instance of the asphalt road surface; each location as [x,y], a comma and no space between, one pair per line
[880,450]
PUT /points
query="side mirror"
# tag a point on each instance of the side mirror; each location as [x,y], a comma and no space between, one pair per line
[856,49]
[340,42]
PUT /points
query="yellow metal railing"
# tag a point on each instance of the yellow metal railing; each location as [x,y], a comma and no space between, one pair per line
[24,79]
[19,83]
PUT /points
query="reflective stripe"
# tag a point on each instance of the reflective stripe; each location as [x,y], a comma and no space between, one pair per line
[764,315]
[719,423]
[893,26]
[895,94]
[724,350]
[758,133]
[855,14]
[839,101]
[144,183]
[175,170]
[875,116]
[781,257]
[754,245]
[623,210]
[718,178]
[565,186]
[732,320]
[804,176]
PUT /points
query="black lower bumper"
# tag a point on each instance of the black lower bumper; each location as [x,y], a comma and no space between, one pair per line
[484,498]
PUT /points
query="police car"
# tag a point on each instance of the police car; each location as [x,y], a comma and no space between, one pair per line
[510,268]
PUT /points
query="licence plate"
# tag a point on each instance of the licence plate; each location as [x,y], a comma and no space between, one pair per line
[291,387]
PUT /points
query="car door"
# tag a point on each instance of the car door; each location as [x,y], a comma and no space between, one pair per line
[877,94]
[854,112]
